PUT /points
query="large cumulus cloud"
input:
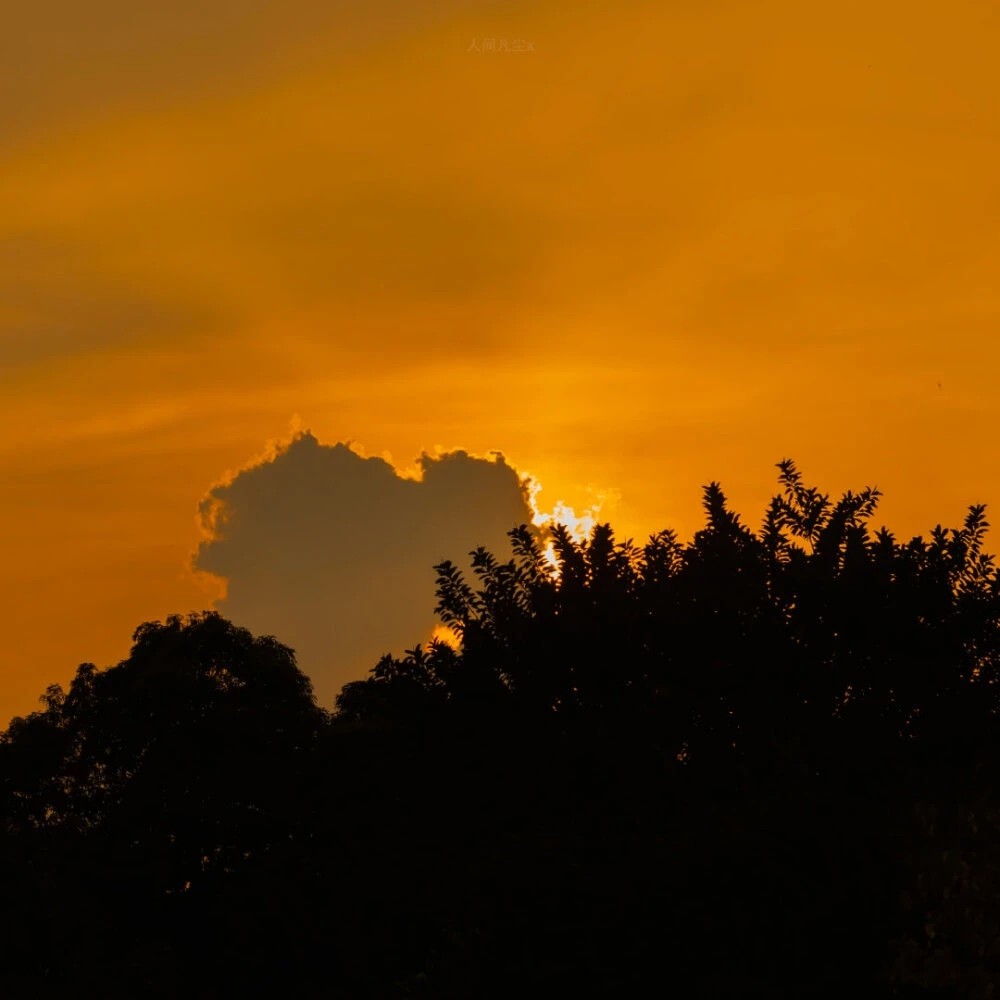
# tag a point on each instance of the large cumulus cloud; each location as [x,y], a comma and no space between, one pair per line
[334,552]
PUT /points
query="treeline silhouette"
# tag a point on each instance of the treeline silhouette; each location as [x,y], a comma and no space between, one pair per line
[760,763]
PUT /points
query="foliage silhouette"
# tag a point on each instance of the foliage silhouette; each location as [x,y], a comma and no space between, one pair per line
[757,763]
[151,778]
[738,638]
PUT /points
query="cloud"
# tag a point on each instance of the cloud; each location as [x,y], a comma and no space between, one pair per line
[333,552]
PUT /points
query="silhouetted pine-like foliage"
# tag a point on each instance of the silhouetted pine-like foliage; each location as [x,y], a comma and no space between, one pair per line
[759,763]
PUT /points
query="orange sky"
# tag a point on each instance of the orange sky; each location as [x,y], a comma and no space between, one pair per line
[672,242]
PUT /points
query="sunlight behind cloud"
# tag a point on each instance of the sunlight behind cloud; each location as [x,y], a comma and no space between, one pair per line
[335,552]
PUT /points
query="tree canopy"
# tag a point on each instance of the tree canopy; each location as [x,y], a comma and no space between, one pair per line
[736,640]
[759,762]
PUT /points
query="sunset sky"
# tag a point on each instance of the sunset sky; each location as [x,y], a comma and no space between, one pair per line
[632,246]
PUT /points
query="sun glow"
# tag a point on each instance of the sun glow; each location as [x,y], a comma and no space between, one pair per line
[447,636]
[579,526]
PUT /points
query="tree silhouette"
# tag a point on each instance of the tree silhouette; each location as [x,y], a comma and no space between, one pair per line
[818,665]
[739,637]
[172,770]
[760,762]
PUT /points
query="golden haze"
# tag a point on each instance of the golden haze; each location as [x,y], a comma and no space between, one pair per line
[671,243]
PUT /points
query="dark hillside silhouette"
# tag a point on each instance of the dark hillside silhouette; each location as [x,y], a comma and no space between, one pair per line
[761,763]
